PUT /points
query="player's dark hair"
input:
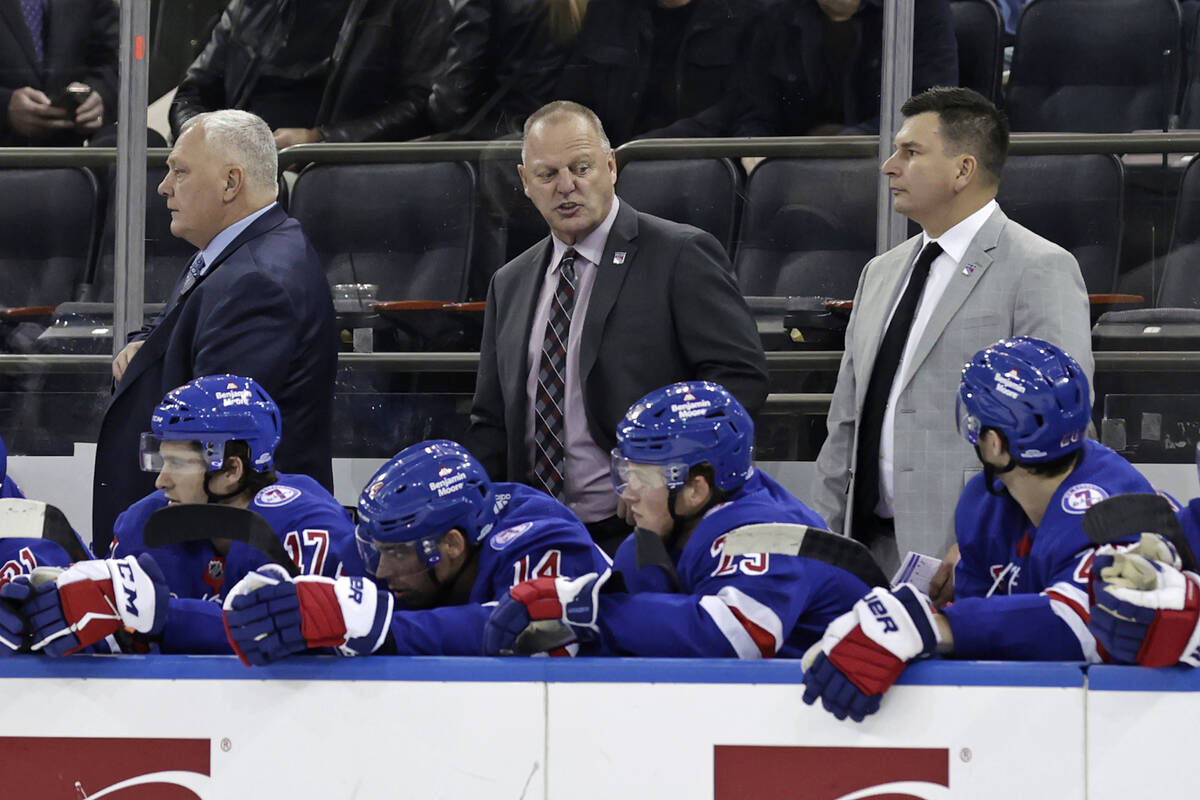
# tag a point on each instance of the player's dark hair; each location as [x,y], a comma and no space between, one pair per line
[970,124]
[709,474]
[1053,468]
[253,481]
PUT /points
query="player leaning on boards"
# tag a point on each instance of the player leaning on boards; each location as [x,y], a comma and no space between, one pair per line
[440,540]
[699,580]
[212,442]
[1021,585]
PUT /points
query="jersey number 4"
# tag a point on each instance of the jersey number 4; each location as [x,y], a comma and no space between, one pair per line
[315,542]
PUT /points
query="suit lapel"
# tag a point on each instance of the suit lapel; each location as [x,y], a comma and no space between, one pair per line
[869,323]
[156,342]
[962,283]
[610,276]
[11,11]
[516,346]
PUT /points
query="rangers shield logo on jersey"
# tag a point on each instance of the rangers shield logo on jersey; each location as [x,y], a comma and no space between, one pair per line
[277,495]
[501,539]
[1082,496]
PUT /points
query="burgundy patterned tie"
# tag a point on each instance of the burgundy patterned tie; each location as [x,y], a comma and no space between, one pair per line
[548,465]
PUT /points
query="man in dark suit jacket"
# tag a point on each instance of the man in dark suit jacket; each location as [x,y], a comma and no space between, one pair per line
[61,43]
[254,302]
[654,302]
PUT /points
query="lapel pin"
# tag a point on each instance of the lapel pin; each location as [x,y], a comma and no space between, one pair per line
[619,257]
[969,268]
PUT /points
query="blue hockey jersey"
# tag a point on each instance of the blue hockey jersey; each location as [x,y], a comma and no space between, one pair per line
[1020,591]
[315,530]
[750,606]
[534,536]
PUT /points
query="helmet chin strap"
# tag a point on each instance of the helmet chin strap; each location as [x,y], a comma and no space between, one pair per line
[990,471]
[213,497]
[684,523]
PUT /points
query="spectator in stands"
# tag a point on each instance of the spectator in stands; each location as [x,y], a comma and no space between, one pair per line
[893,464]
[608,307]
[254,301]
[322,70]
[814,67]
[504,58]
[59,89]
[654,68]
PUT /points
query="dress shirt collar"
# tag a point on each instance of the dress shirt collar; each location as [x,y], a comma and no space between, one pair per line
[222,239]
[590,247]
[955,241]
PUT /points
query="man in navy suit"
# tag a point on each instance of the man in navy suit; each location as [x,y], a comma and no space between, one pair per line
[253,301]
[651,302]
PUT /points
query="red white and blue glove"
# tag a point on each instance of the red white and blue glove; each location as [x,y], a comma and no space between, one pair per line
[545,615]
[13,627]
[1145,609]
[864,651]
[269,615]
[73,608]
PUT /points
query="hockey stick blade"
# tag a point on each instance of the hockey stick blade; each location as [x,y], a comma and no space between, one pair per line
[32,519]
[189,522]
[1130,514]
[803,540]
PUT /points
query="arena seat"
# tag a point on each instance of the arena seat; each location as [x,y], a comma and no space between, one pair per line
[1189,105]
[808,227]
[704,192]
[979,29]
[1180,284]
[1104,66]
[50,223]
[407,228]
[1075,201]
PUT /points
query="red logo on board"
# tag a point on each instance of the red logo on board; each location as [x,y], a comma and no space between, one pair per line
[120,769]
[830,773]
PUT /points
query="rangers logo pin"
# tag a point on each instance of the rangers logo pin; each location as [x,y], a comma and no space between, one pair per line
[619,257]
[969,268]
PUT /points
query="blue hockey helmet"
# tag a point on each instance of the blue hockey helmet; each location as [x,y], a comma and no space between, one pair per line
[682,425]
[423,492]
[1031,391]
[213,410]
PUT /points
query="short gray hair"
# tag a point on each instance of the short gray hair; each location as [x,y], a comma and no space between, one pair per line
[564,108]
[245,139]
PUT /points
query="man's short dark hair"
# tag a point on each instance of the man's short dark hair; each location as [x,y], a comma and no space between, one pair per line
[970,123]
[559,108]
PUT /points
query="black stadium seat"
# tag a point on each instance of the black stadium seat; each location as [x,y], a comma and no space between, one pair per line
[1104,66]
[1075,201]
[808,227]
[405,227]
[979,29]
[1180,286]
[704,192]
[49,234]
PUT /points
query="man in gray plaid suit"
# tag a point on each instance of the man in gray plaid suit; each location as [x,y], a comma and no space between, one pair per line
[893,465]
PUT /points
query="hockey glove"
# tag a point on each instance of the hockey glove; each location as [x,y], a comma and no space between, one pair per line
[269,615]
[542,615]
[1145,609]
[864,651]
[70,609]
[12,625]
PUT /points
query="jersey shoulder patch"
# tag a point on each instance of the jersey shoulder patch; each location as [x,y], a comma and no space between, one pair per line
[1079,498]
[276,495]
[506,536]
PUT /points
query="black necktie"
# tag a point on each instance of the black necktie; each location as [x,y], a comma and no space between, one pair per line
[883,375]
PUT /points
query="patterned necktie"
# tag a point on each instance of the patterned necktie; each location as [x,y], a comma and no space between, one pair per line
[879,388]
[194,270]
[548,467]
[33,11]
